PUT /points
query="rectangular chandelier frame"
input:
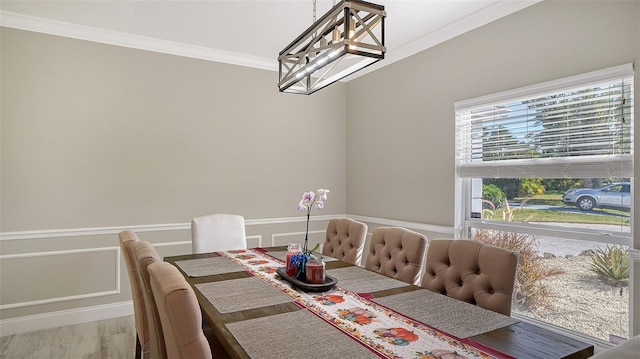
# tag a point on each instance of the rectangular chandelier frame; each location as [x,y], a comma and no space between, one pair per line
[348,38]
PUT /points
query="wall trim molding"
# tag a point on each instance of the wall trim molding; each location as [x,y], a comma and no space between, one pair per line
[116,290]
[75,232]
[80,32]
[287,234]
[59,28]
[406,224]
[35,322]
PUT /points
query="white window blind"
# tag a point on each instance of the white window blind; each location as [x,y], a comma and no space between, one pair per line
[575,127]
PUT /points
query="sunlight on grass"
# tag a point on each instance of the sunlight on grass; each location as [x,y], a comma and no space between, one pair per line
[542,215]
[561,213]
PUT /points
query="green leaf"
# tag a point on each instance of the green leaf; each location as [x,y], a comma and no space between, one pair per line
[315,248]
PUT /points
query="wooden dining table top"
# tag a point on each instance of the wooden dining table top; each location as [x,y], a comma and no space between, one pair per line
[519,340]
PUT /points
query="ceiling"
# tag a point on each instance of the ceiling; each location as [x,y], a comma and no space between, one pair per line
[244,32]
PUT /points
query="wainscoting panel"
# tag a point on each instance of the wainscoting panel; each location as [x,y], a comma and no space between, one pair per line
[80,275]
[47,277]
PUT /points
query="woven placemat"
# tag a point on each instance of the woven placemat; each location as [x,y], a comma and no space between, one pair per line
[360,280]
[241,294]
[208,266]
[306,336]
[458,318]
[281,255]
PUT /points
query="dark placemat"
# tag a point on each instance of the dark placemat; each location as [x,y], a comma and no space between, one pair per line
[360,280]
[458,318]
[241,294]
[281,255]
[307,336]
[208,266]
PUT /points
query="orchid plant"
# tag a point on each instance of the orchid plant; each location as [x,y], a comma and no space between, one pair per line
[309,199]
[306,204]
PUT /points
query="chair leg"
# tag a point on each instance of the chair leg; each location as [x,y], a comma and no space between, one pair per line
[138,348]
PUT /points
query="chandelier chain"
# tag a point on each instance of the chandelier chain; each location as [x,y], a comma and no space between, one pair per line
[314,11]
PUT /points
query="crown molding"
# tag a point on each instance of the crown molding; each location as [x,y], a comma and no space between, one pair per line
[80,32]
[479,18]
[31,23]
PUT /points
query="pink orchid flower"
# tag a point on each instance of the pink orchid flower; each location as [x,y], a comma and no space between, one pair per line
[308,196]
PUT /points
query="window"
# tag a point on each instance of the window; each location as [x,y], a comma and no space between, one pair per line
[547,171]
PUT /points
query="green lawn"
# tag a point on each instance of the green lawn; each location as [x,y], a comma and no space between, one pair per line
[551,198]
[555,199]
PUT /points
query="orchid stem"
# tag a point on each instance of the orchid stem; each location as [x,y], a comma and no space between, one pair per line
[306,234]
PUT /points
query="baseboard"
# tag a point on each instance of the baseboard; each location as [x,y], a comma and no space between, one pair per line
[61,318]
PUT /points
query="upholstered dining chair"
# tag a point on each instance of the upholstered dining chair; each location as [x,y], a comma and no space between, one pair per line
[344,240]
[127,241]
[145,255]
[179,313]
[218,232]
[626,350]
[471,271]
[397,252]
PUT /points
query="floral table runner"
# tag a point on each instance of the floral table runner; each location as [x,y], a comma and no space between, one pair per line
[382,330]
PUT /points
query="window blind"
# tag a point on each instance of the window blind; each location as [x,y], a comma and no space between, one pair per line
[577,127]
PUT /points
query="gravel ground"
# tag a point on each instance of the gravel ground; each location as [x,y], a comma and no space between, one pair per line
[582,302]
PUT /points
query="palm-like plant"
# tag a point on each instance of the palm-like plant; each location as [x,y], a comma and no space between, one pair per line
[611,264]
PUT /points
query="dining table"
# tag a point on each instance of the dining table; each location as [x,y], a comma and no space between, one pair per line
[255,313]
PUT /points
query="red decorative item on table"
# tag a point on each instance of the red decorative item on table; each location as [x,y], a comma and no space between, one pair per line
[292,249]
[315,271]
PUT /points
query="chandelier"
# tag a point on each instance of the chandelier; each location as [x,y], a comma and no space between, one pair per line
[348,38]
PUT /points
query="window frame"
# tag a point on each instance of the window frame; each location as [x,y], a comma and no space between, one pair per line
[463,223]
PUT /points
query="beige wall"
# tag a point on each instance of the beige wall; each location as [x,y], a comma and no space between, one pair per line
[96,135]
[400,142]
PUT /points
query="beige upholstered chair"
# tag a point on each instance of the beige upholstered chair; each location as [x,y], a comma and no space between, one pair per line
[627,350]
[471,271]
[218,232]
[179,313]
[345,240]
[145,255]
[397,252]
[127,241]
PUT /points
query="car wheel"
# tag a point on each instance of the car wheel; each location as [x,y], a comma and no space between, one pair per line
[586,203]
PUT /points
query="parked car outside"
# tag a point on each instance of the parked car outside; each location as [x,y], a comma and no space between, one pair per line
[616,196]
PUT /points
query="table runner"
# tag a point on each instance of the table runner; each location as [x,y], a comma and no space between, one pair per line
[384,331]
[458,318]
[231,295]
[307,337]
[362,280]
[208,266]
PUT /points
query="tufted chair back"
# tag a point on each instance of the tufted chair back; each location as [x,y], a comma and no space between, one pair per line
[397,252]
[145,255]
[345,240]
[127,241]
[467,270]
[179,313]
